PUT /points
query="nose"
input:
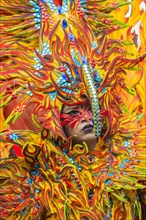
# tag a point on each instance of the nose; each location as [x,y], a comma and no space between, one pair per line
[86,118]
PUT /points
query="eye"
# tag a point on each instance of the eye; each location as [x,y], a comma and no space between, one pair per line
[89,109]
[73,112]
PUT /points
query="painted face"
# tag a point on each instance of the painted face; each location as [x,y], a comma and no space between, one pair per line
[78,124]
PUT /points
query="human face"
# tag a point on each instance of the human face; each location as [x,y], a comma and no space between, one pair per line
[77,123]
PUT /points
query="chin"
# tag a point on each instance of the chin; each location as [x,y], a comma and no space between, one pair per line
[89,135]
[88,138]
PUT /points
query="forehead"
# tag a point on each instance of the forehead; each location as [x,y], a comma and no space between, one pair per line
[67,108]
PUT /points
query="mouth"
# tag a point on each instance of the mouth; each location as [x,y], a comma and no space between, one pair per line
[87,128]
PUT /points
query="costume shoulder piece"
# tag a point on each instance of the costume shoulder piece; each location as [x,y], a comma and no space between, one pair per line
[67,52]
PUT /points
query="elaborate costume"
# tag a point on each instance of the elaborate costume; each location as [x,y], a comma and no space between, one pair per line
[56,53]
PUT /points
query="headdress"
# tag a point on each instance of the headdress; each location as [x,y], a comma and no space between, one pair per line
[65,52]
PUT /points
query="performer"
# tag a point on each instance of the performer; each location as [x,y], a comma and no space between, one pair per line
[83,129]
[68,81]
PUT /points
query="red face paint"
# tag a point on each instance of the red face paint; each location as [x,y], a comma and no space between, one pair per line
[57,2]
[75,116]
